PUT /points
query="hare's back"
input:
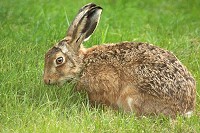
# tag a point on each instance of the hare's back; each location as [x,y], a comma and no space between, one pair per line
[149,68]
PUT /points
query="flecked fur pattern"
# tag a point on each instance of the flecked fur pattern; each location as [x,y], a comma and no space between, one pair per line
[152,79]
[136,77]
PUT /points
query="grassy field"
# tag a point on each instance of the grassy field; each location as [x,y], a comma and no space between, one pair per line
[28,28]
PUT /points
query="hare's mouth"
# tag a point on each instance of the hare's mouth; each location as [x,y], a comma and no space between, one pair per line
[69,81]
[66,80]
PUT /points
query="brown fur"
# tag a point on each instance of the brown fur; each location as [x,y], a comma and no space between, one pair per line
[154,78]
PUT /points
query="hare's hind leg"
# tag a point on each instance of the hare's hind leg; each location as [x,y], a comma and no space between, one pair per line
[130,100]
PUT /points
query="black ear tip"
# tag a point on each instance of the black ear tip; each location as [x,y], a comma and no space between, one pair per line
[93,10]
[90,5]
[98,7]
[93,5]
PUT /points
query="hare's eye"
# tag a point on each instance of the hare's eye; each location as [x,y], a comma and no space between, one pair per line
[59,60]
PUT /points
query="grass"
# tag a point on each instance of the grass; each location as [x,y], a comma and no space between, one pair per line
[29,28]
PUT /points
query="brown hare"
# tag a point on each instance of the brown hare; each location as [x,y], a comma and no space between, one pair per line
[133,76]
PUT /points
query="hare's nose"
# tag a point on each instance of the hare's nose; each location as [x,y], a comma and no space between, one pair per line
[47,81]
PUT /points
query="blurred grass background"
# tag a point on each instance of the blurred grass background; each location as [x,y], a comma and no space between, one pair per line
[29,28]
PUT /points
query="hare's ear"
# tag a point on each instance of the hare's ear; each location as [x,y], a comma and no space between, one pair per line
[83,25]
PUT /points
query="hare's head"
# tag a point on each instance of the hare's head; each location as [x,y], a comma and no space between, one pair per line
[63,62]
